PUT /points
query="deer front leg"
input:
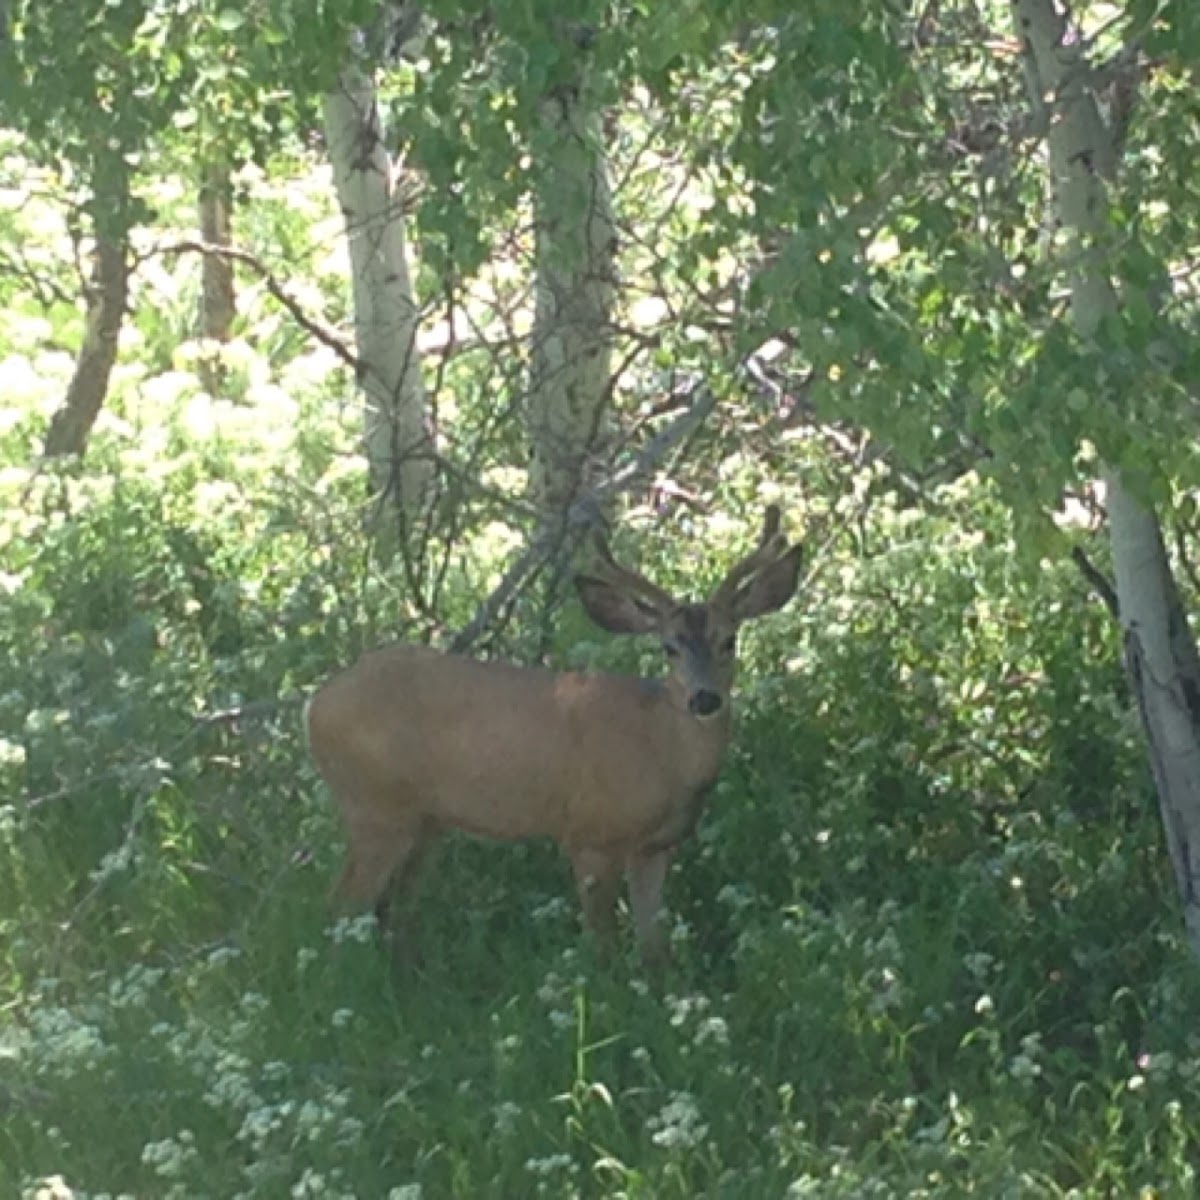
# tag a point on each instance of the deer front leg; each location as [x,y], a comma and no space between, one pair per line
[382,860]
[598,879]
[647,873]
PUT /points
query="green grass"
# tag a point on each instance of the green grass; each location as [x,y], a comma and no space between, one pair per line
[184,1020]
[926,940]
[926,943]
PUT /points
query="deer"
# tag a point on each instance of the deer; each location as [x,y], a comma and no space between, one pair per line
[412,741]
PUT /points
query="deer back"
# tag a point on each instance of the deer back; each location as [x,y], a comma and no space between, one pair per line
[507,751]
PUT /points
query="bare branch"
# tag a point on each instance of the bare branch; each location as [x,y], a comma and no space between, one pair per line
[254,710]
[319,330]
[584,514]
[1099,582]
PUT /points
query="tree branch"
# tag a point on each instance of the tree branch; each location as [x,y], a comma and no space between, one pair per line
[319,330]
[1099,582]
[584,514]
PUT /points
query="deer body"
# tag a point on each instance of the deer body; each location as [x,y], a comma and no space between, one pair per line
[510,752]
[615,768]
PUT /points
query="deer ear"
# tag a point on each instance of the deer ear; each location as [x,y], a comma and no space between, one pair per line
[769,589]
[613,609]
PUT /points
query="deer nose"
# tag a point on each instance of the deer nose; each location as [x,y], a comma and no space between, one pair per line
[704,703]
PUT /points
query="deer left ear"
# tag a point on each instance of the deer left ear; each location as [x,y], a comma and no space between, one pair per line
[614,609]
[771,588]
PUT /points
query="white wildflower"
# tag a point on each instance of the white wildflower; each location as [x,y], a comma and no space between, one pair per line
[979,966]
[9,825]
[115,862]
[889,992]
[363,929]
[683,1007]
[736,896]
[52,1187]
[713,1029]
[170,1157]
[311,1183]
[552,989]
[222,955]
[406,1191]
[550,910]
[678,1125]
[552,1164]
[505,1117]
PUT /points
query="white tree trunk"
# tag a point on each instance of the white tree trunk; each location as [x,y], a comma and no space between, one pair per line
[570,385]
[1160,652]
[396,430]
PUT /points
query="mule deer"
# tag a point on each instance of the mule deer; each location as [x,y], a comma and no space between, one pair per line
[615,768]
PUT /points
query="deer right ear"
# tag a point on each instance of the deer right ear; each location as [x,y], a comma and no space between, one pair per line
[770,589]
[615,610]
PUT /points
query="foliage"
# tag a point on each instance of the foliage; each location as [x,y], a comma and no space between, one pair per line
[923,937]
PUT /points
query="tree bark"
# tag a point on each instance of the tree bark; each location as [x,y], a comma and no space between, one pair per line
[107,294]
[570,383]
[396,430]
[1160,653]
[218,304]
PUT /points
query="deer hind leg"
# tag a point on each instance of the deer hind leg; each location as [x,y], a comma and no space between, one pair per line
[598,881]
[647,873]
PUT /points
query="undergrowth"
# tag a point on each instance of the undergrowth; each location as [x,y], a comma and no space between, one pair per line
[926,940]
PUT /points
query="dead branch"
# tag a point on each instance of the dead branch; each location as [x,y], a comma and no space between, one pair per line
[585,514]
[1099,582]
[325,334]
[255,710]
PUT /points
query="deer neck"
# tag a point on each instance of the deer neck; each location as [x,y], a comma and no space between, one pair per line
[697,744]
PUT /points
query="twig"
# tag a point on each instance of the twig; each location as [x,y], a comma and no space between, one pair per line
[102,874]
[226,716]
[1180,534]
[582,515]
[1099,581]
[322,332]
